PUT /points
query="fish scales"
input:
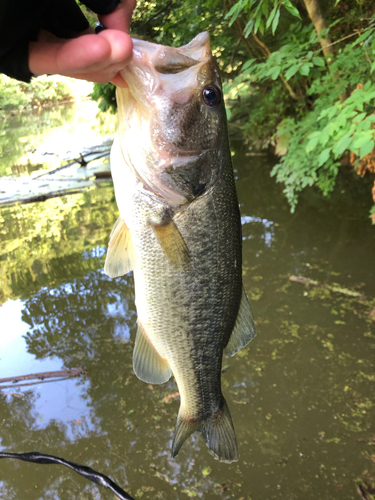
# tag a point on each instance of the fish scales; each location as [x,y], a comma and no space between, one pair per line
[180,230]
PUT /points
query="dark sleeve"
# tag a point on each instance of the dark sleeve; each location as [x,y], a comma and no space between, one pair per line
[21,20]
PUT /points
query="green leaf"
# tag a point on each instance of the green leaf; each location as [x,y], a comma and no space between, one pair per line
[248,64]
[323,157]
[359,117]
[364,36]
[305,69]
[261,26]
[275,21]
[258,21]
[291,9]
[313,142]
[271,16]
[360,140]
[318,61]
[275,72]
[342,145]
[292,71]
[366,148]
[248,28]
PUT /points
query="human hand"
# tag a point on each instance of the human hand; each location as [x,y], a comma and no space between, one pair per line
[96,58]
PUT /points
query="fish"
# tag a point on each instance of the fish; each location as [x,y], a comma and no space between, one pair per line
[179,230]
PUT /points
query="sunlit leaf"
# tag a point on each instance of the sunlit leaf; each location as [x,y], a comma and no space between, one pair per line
[360,140]
[366,148]
[323,157]
[343,144]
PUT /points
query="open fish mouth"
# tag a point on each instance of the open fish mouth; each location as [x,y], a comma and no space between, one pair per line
[167,70]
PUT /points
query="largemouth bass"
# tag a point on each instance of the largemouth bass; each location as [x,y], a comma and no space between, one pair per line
[179,230]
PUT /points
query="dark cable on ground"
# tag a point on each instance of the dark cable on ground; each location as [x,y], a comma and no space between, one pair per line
[83,470]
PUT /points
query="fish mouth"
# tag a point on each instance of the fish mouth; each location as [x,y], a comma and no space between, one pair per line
[172,60]
[162,78]
[171,71]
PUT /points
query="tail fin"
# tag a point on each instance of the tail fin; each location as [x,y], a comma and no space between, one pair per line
[184,429]
[217,430]
[220,437]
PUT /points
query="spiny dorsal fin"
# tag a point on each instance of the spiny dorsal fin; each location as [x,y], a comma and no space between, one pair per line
[148,365]
[171,240]
[121,254]
[244,329]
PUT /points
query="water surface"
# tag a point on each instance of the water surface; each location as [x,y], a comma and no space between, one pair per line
[301,394]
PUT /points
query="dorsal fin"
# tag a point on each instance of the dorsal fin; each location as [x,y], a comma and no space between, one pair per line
[121,254]
[244,328]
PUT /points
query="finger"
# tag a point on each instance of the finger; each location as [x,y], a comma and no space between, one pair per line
[120,18]
[119,81]
[121,44]
[83,52]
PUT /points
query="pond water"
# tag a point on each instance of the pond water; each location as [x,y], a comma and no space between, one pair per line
[42,140]
[301,394]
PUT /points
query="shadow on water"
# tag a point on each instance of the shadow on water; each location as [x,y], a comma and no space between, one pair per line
[301,395]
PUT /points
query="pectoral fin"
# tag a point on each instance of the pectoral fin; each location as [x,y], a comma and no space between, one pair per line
[244,328]
[171,241]
[121,254]
[148,365]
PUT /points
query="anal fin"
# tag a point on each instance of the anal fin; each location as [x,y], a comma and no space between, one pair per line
[244,328]
[120,257]
[148,365]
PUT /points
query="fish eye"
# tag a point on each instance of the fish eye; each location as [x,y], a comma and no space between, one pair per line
[211,95]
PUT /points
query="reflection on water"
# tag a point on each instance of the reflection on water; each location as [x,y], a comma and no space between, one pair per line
[257,224]
[42,140]
[301,395]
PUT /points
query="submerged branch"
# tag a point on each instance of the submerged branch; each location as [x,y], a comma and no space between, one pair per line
[81,161]
[333,288]
[61,374]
